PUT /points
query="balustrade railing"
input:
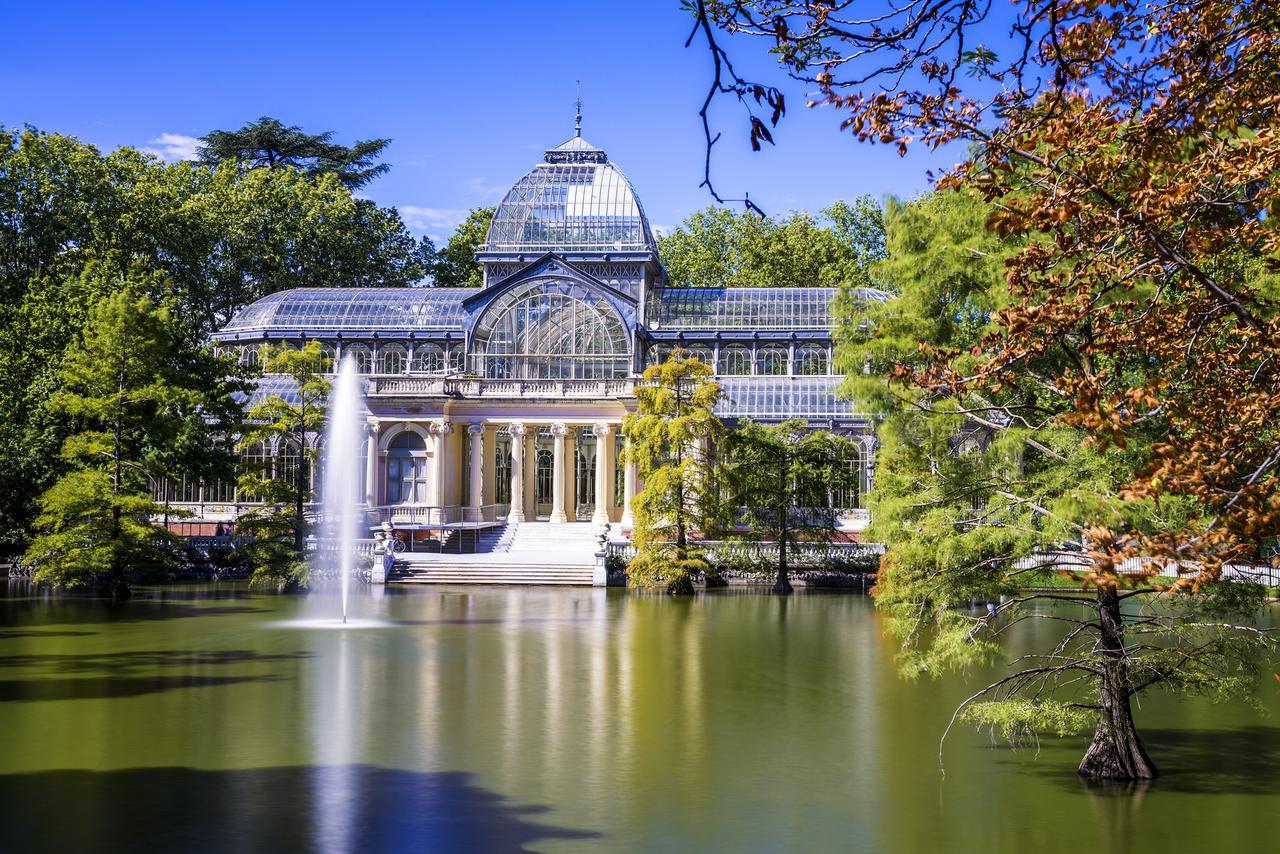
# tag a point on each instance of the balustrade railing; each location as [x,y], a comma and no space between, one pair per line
[436,516]
[474,387]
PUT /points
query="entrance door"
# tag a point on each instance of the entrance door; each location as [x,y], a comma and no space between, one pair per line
[544,475]
[584,475]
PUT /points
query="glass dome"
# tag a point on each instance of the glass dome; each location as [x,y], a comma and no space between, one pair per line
[575,201]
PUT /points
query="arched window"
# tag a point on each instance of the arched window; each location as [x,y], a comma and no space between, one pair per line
[391,358]
[255,459]
[502,466]
[407,469]
[735,361]
[363,358]
[289,458]
[699,352]
[249,355]
[657,354]
[329,357]
[811,361]
[771,361]
[552,329]
[849,494]
[428,358]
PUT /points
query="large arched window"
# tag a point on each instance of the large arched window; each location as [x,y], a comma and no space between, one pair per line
[407,469]
[362,356]
[391,359]
[428,358]
[551,329]
[771,361]
[811,361]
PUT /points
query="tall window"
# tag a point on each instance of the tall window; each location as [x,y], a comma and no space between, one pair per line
[771,361]
[407,469]
[811,361]
[657,354]
[551,329]
[391,359]
[362,356]
[735,361]
[502,467]
[619,473]
[699,352]
[849,497]
[428,358]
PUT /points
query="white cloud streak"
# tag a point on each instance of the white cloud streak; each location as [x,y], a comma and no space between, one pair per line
[436,223]
[173,147]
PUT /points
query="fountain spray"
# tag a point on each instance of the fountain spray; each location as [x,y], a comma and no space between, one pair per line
[340,502]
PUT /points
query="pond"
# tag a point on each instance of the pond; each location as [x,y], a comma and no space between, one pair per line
[504,719]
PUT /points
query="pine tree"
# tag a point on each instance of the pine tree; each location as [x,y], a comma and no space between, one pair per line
[267,142]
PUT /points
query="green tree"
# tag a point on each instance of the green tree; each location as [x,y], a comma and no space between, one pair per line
[718,248]
[216,238]
[280,526]
[977,492]
[267,142]
[671,438]
[455,265]
[133,388]
[781,477]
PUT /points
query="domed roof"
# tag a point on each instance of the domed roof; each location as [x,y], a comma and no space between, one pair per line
[353,309]
[574,201]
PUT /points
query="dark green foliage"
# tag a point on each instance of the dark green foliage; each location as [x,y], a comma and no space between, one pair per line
[267,142]
[455,265]
[781,476]
[135,391]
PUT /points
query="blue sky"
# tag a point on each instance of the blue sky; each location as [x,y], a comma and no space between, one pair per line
[470,94]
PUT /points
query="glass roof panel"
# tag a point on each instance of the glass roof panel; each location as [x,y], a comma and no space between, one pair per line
[575,202]
[354,308]
[779,398]
[748,308]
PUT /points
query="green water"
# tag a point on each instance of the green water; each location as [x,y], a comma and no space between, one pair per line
[197,719]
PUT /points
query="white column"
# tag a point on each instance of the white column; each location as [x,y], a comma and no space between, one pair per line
[440,430]
[371,464]
[604,470]
[475,433]
[628,488]
[559,431]
[517,473]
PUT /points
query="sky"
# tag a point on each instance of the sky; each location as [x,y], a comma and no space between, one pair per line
[469,93]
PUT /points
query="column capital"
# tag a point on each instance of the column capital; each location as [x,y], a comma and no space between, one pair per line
[475,429]
[518,429]
[441,428]
[601,429]
[559,430]
[372,427]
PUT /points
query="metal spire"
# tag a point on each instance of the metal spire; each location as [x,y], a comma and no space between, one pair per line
[577,121]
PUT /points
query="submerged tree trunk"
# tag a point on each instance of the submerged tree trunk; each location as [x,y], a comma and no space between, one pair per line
[1116,752]
[782,584]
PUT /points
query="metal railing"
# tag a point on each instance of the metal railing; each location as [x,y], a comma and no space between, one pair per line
[804,554]
[476,387]
[437,516]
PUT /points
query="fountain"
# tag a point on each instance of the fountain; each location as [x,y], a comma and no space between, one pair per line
[340,501]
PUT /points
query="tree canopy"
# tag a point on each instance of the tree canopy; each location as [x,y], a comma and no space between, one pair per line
[719,248]
[269,143]
[455,264]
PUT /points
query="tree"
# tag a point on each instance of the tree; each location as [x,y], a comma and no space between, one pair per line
[1128,150]
[133,387]
[268,143]
[216,238]
[290,426]
[717,248]
[455,265]
[670,438]
[980,494]
[782,477]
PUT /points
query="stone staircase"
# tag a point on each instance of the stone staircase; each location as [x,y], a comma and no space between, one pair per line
[528,553]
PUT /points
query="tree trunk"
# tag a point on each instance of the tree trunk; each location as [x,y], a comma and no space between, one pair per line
[1116,752]
[681,586]
[783,582]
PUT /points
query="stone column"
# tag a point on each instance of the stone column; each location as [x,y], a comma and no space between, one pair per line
[475,433]
[517,473]
[371,464]
[628,489]
[604,472]
[559,431]
[440,430]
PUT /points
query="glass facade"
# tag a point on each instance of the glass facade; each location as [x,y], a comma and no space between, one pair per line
[354,309]
[746,308]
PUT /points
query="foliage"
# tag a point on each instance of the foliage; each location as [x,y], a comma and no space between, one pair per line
[135,389]
[781,477]
[718,248]
[268,143]
[455,265]
[280,526]
[211,239]
[671,438]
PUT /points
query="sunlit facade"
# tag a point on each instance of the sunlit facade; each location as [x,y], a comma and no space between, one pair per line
[505,402]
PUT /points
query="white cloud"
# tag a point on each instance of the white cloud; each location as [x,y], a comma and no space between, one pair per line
[661,230]
[436,223]
[483,188]
[173,146]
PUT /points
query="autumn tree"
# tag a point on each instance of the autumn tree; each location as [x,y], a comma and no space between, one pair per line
[285,429]
[782,478]
[671,438]
[134,389]
[1128,151]
[269,143]
[455,265]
